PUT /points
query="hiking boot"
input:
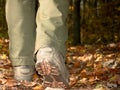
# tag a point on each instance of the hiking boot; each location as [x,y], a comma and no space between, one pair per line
[51,65]
[23,72]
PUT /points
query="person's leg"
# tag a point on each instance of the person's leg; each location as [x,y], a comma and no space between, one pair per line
[50,42]
[51,24]
[20,16]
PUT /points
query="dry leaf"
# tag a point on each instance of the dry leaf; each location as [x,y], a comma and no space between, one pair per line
[101,88]
[73,80]
[28,84]
[3,81]
[119,82]
[11,83]
[115,78]
[38,87]
[76,64]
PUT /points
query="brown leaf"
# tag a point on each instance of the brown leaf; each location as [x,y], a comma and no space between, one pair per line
[3,81]
[115,79]
[101,88]
[119,82]
[76,64]
[38,87]
[83,80]
[35,76]
[11,83]
[28,84]
[1,75]
[73,80]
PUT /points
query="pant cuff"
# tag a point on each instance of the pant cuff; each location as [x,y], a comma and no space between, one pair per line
[21,61]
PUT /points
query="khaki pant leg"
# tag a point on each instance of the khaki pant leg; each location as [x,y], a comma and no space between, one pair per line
[20,16]
[51,24]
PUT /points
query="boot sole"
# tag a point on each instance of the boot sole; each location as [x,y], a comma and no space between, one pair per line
[51,75]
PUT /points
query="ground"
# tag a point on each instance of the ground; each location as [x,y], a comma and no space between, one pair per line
[91,67]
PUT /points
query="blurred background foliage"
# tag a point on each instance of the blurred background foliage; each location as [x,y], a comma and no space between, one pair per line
[99,21]
[89,21]
[3,25]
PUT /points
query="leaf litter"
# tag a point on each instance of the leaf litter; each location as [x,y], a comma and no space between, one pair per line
[91,67]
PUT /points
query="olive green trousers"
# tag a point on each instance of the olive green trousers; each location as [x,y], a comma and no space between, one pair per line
[30,29]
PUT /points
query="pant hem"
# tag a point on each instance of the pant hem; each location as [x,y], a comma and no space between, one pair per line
[21,61]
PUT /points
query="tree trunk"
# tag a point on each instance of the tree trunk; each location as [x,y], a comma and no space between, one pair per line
[76,22]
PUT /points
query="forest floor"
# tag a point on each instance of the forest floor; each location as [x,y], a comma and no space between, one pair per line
[91,67]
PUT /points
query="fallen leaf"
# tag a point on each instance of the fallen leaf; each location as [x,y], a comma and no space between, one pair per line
[38,87]
[101,88]
[11,83]
[119,82]
[115,78]
[73,80]
[3,81]
[76,64]
[28,84]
